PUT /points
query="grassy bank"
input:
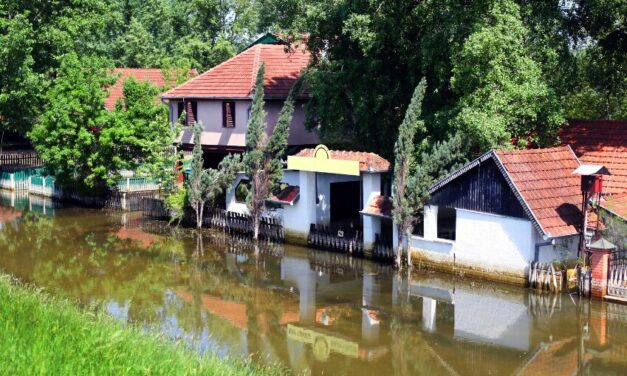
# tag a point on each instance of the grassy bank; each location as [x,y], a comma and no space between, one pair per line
[41,334]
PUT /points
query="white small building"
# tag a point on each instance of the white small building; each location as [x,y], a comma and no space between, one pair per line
[332,189]
[502,211]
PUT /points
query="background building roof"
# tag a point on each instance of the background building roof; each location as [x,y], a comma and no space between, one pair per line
[600,142]
[152,75]
[235,78]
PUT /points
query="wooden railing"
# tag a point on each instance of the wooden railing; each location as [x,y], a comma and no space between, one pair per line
[24,159]
[617,278]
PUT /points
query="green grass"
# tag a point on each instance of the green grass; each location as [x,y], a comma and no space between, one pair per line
[44,335]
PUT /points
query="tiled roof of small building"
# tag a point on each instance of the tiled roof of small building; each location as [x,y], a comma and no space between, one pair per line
[616,204]
[153,75]
[545,180]
[235,78]
[368,162]
[600,142]
[380,206]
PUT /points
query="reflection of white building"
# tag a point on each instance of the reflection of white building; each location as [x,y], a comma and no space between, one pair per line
[490,317]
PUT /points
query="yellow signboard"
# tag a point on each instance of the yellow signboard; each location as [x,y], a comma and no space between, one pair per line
[322,162]
[323,344]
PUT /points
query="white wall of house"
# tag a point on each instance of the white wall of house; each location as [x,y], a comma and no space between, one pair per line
[563,248]
[485,241]
[298,217]
[231,202]
[209,112]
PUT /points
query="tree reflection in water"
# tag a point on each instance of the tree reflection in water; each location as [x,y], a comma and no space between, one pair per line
[315,312]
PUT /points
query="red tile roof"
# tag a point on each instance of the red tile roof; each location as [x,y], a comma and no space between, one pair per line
[235,78]
[600,142]
[616,204]
[380,206]
[153,75]
[545,180]
[368,162]
[287,196]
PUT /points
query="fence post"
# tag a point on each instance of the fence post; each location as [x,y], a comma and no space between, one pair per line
[599,262]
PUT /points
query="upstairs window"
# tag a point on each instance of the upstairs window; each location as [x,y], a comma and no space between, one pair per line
[228,114]
[191,111]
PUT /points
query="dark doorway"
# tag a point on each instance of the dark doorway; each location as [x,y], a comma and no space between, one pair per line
[345,202]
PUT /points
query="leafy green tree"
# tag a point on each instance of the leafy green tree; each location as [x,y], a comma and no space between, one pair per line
[140,138]
[502,93]
[139,48]
[66,137]
[598,30]
[205,185]
[404,154]
[82,142]
[19,84]
[262,160]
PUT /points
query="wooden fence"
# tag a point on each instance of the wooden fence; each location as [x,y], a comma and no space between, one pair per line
[383,250]
[270,229]
[24,159]
[336,239]
[128,185]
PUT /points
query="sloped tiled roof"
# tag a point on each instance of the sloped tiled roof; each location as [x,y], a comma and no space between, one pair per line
[600,142]
[380,206]
[153,75]
[235,78]
[616,204]
[368,162]
[286,196]
[545,180]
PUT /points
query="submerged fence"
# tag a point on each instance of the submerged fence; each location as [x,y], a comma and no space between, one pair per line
[336,239]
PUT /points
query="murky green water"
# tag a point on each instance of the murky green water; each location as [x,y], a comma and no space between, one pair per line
[315,312]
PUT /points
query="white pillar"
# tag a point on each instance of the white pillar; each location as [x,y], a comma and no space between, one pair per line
[371,187]
[428,313]
[430,222]
[307,201]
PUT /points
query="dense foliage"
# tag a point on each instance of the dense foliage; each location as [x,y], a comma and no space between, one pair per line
[497,70]
[82,142]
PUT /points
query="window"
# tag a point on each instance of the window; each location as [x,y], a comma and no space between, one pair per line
[447,218]
[419,226]
[241,191]
[228,114]
[191,111]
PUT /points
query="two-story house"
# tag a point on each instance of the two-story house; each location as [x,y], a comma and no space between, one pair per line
[221,99]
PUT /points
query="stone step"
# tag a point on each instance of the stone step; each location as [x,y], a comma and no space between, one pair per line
[615,299]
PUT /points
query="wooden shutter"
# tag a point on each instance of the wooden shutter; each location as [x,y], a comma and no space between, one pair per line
[228,114]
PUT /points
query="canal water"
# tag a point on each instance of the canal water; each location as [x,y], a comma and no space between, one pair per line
[314,312]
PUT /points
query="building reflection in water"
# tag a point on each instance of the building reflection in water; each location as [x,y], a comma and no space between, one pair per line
[315,312]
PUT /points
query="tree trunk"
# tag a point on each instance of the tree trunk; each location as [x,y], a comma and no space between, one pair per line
[202,212]
[256,226]
[1,143]
[399,248]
